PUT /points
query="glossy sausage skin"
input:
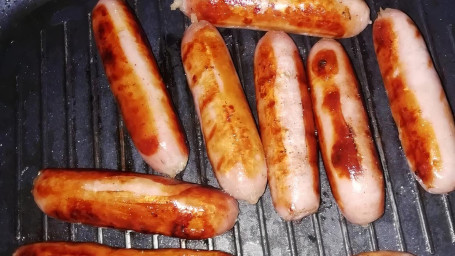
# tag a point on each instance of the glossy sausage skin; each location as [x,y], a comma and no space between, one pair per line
[230,134]
[384,253]
[138,87]
[287,126]
[93,249]
[140,202]
[419,105]
[323,18]
[349,155]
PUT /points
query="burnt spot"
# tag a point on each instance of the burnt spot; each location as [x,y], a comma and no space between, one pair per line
[247,21]
[229,112]
[325,64]
[344,154]
[149,145]
[104,28]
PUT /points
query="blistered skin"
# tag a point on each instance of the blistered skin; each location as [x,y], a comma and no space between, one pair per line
[287,126]
[384,253]
[140,202]
[347,148]
[92,249]
[232,140]
[419,105]
[138,87]
[323,18]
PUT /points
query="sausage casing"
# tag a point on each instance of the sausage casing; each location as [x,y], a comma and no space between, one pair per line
[287,126]
[384,253]
[419,105]
[349,155]
[92,249]
[324,18]
[140,202]
[230,134]
[138,87]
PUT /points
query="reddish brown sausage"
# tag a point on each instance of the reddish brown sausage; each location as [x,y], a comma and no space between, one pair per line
[92,249]
[324,18]
[419,105]
[349,155]
[140,202]
[384,253]
[232,140]
[287,126]
[138,87]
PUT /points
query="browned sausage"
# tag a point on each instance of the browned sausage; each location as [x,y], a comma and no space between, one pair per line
[419,105]
[384,253]
[349,155]
[92,249]
[287,126]
[230,134]
[324,18]
[140,202]
[138,87]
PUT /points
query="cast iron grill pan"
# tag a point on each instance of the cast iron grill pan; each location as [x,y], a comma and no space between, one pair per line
[56,110]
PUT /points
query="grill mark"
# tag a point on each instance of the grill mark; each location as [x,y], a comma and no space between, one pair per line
[325,18]
[417,135]
[271,131]
[344,155]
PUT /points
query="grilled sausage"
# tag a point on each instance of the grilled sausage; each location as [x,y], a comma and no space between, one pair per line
[349,155]
[419,106]
[324,18]
[92,249]
[232,140]
[384,253]
[140,202]
[287,126]
[138,87]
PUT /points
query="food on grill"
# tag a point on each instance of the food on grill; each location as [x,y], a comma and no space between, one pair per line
[419,105]
[384,253]
[287,126]
[324,18]
[230,134]
[138,87]
[92,249]
[139,202]
[348,152]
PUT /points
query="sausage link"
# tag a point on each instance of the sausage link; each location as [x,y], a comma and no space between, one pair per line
[287,126]
[140,202]
[349,155]
[324,18]
[92,249]
[230,134]
[384,253]
[419,105]
[138,87]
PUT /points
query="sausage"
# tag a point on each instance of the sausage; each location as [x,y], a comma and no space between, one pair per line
[138,87]
[384,253]
[419,105]
[348,152]
[93,249]
[287,126]
[140,202]
[323,18]
[230,134]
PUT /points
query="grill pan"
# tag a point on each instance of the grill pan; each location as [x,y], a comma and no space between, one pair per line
[56,110]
